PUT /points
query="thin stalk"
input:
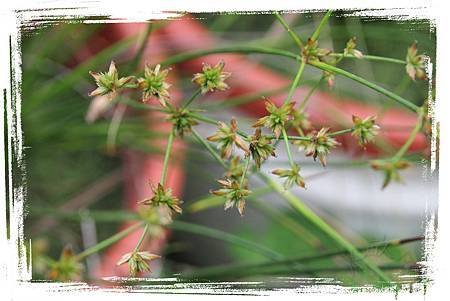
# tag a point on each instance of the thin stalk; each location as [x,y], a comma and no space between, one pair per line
[141,239]
[306,212]
[193,97]
[401,152]
[295,82]
[369,58]
[365,82]
[324,20]
[341,132]
[107,242]
[288,148]
[293,35]
[310,93]
[166,157]
[137,58]
[244,173]
[209,148]
[214,122]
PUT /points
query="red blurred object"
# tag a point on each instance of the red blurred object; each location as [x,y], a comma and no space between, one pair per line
[247,77]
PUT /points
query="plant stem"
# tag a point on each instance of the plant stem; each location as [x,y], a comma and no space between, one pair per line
[141,239]
[301,208]
[137,58]
[365,82]
[253,49]
[193,97]
[341,132]
[107,242]
[166,157]
[295,82]
[209,148]
[288,148]
[293,35]
[401,152]
[369,58]
[247,163]
[310,93]
[324,20]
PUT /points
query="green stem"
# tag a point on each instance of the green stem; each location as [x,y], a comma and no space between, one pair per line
[166,157]
[244,173]
[341,132]
[324,20]
[214,122]
[288,148]
[193,97]
[295,82]
[141,239]
[310,93]
[209,148]
[301,208]
[365,82]
[369,58]
[107,242]
[401,152]
[293,35]
[253,49]
[135,62]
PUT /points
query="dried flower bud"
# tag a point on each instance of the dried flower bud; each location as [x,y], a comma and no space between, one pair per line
[311,51]
[109,83]
[67,267]
[234,194]
[163,197]
[292,176]
[415,64]
[277,118]
[319,145]
[260,147]
[350,49]
[138,261]
[390,169]
[227,136]
[212,78]
[181,120]
[154,84]
[365,129]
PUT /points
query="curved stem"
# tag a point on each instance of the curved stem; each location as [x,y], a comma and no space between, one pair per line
[310,93]
[166,157]
[295,82]
[401,152]
[193,97]
[244,173]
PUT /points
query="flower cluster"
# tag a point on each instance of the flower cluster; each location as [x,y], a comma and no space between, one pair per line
[350,49]
[181,120]
[66,268]
[319,145]
[415,64]
[277,118]
[212,78]
[138,261]
[226,137]
[163,197]
[292,176]
[364,129]
[234,193]
[109,83]
[260,147]
[311,51]
[390,169]
[154,84]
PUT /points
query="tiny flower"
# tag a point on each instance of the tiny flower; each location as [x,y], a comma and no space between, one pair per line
[350,49]
[415,64]
[109,83]
[66,268]
[365,129]
[311,51]
[181,120]
[300,121]
[212,78]
[154,84]
[260,147]
[292,176]
[163,197]
[390,169]
[235,169]
[319,145]
[138,261]
[233,193]
[277,118]
[227,136]
[330,78]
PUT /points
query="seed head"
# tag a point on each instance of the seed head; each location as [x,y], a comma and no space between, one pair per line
[67,267]
[260,147]
[154,84]
[163,197]
[292,176]
[319,145]
[234,193]
[181,120]
[365,129]
[350,49]
[390,169]
[415,64]
[138,261]
[109,83]
[212,78]
[226,137]
[277,118]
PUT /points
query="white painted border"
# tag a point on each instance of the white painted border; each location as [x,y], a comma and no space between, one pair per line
[11,265]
